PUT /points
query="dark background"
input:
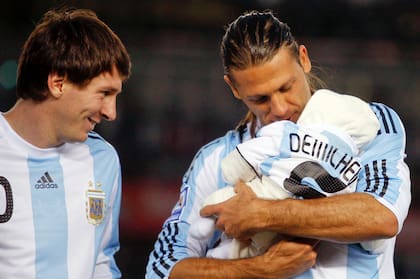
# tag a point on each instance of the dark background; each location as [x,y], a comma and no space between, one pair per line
[176,100]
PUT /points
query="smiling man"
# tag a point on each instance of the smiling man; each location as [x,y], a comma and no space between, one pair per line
[60,182]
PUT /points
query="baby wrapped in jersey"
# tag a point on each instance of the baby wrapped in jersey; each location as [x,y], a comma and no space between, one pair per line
[317,157]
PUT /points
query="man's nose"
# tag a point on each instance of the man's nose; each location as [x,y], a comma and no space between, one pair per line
[278,106]
[109,109]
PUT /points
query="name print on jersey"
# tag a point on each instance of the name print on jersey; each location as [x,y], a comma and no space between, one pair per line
[347,166]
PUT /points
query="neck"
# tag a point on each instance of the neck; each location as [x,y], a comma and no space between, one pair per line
[30,120]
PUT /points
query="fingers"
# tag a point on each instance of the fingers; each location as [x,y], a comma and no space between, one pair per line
[216,208]
[305,252]
[219,222]
[231,214]
[212,211]
[215,201]
[209,210]
[288,258]
[242,187]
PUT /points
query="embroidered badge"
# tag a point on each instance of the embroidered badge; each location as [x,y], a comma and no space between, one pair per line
[179,206]
[95,204]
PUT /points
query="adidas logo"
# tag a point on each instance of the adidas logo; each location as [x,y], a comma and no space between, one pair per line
[45,182]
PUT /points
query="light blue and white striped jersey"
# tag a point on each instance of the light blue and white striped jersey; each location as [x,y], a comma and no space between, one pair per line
[59,208]
[384,175]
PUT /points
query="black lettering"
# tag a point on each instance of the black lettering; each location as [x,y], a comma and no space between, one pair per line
[319,149]
[294,142]
[344,162]
[329,153]
[313,148]
[351,171]
[306,143]
[325,150]
[46,186]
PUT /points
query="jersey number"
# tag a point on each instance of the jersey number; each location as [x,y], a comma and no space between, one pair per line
[9,200]
[326,182]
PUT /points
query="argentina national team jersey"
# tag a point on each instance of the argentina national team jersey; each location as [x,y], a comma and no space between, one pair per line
[59,209]
[383,174]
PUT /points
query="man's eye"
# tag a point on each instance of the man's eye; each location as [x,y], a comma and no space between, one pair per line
[259,100]
[285,89]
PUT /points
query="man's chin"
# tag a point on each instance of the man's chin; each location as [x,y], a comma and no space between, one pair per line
[81,138]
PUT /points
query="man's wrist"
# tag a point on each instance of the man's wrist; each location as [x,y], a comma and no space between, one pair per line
[261,216]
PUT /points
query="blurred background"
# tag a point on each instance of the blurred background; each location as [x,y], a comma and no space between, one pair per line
[176,100]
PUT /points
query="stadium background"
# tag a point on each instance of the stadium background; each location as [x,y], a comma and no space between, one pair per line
[176,99]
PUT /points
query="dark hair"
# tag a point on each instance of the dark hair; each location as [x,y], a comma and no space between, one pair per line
[253,39]
[70,42]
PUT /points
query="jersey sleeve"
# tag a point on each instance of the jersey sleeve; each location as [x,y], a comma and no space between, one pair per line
[385,174]
[174,242]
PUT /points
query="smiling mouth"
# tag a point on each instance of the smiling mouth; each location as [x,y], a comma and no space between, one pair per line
[92,122]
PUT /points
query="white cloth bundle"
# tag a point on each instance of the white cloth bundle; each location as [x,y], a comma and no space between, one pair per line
[342,123]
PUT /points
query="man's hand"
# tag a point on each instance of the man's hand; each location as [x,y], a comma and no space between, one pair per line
[232,215]
[285,259]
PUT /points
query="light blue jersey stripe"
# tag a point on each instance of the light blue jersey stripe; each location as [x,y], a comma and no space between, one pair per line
[49,217]
[361,264]
[306,275]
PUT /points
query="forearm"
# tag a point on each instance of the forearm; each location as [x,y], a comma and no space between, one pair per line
[344,218]
[284,259]
[212,269]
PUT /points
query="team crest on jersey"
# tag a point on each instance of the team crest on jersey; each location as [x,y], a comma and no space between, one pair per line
[179,206]
[95,204]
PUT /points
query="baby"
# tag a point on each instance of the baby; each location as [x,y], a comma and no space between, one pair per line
[315,157]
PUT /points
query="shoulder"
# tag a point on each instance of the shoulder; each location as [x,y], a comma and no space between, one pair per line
[390,140]
[207,159]
[226,143]
[96,139]
[99,146]
[390,122]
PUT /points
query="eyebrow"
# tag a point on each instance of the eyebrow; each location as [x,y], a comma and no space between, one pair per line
[288,82]
[110,88]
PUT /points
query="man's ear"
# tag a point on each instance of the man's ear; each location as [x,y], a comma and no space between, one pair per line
[55,84]
[232,87]
[304,59]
